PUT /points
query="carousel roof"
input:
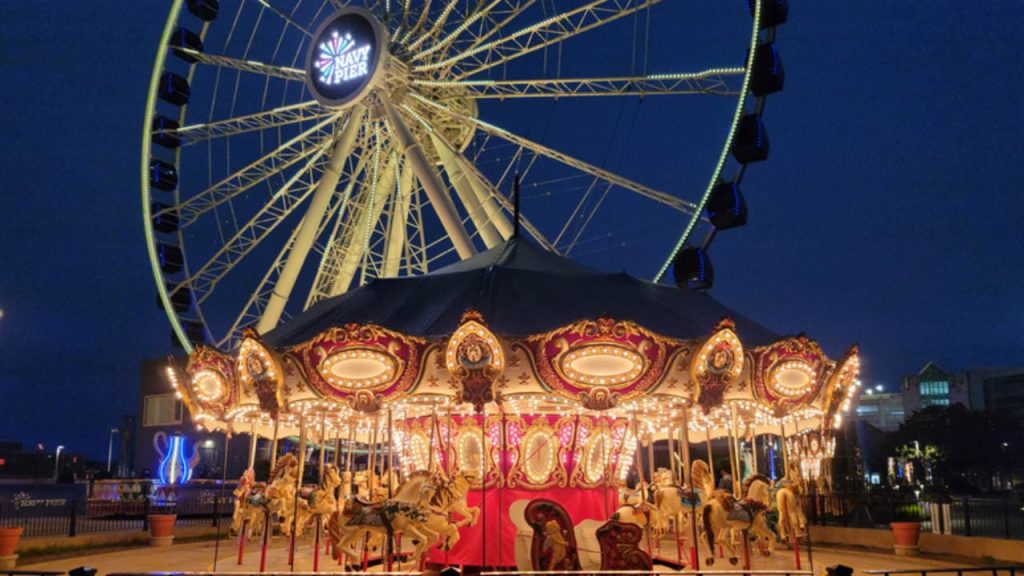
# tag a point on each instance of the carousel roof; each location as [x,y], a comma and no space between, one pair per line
[521,289]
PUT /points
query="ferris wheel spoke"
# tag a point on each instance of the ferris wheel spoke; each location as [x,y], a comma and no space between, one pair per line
[458,31]
[253,309]
[398,222]
[546,33]
[718,81]
[356,243]
[536,148]
[283,16]
[249,236]
[440,201]
[331,257]
[494,195]
[310,223]
[408,32]
[289,153]
[252,66]
[437,27]
[276,118]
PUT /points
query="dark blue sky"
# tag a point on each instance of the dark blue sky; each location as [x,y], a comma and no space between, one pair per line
[889,213]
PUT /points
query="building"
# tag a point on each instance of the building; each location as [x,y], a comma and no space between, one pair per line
[977,388]
[880,409]
[933,386]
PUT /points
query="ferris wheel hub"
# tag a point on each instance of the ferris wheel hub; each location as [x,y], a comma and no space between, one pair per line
[347,57]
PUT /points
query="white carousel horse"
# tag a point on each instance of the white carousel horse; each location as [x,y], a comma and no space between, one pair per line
[418,510]
[723,514]
[792,521]
[319,502]
[636,510]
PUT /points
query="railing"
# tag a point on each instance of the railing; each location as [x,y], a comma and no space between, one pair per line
[727,572]
[963,516]
[73,517]
[993,570]
[30,573]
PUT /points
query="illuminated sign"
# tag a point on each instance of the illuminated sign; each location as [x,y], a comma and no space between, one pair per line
[345,57]
[175,465]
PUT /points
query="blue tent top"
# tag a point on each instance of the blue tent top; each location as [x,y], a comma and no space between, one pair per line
[520,289]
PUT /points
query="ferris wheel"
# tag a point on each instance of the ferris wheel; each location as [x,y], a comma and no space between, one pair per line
[295,150]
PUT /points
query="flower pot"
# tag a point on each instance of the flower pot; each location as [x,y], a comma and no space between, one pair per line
[9,538]
[905,536]
[161,529]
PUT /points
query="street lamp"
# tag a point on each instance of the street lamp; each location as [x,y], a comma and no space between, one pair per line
[56,462]
[110,448]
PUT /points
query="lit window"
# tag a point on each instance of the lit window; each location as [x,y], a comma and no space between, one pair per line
[867,409]
[161,410]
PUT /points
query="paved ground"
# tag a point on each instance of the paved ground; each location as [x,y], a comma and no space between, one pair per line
[200,557]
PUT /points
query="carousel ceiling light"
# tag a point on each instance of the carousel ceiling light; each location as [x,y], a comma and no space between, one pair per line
[209,385]
[358,369]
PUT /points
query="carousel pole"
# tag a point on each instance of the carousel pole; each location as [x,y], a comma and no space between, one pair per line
[298,488]
[320,482]
[650,474]
[224,479]
[372,458]
[483,487]
[273,446]
[389,547]
[673,455]
[752,438]
[684,442]
[711,457]
[638,463]
[501,487]
[267,526]
[243,533]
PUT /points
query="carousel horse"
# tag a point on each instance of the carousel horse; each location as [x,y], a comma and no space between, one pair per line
[788,492]
[418,510]
[676,503]
[636,510]
[317,502]
[250,497]
[723,515]
[280,494]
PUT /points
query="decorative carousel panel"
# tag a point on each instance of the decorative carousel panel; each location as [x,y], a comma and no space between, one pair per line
[842,385]
[787,374]
[717,366]
[364,366]
[211,378]
[600,362]
[412,440]
[607,450]
[676,380]
[474,357]
[259,371]
[810,449]
[539,451]
[472,451]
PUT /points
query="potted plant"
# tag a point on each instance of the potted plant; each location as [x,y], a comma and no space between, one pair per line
[9,537]
[161,525]
[906,528]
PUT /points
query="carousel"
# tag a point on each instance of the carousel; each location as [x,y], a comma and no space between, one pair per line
[517,409]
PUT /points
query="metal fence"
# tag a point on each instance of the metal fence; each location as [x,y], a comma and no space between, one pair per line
[43,512]
[993,517]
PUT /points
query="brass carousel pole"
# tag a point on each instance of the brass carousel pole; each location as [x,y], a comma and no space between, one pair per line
[224,479]
[673,456]
[711,457]
[684,444]
[273,445]
[298,487]
[320,481]
[253,440]
[389,549]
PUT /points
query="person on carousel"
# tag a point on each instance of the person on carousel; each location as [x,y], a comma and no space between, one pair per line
[724,480]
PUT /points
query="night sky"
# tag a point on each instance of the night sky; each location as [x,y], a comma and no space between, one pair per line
[889,213]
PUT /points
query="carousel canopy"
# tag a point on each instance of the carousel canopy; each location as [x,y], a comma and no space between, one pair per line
[521,289]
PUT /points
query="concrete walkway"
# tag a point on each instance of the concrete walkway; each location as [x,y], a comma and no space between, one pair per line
[199,556]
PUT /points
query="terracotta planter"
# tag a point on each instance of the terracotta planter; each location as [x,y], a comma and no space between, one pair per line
[905,536]
[9,538]
[161,529]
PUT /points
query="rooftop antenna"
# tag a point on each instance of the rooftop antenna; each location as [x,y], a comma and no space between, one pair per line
[515,189]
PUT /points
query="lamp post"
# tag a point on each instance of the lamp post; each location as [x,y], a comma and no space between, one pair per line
[110,448]
[56,462]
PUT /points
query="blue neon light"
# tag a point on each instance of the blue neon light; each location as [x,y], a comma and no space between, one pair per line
[174,468]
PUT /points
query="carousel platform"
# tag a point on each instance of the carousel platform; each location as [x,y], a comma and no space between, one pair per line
[199,557]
